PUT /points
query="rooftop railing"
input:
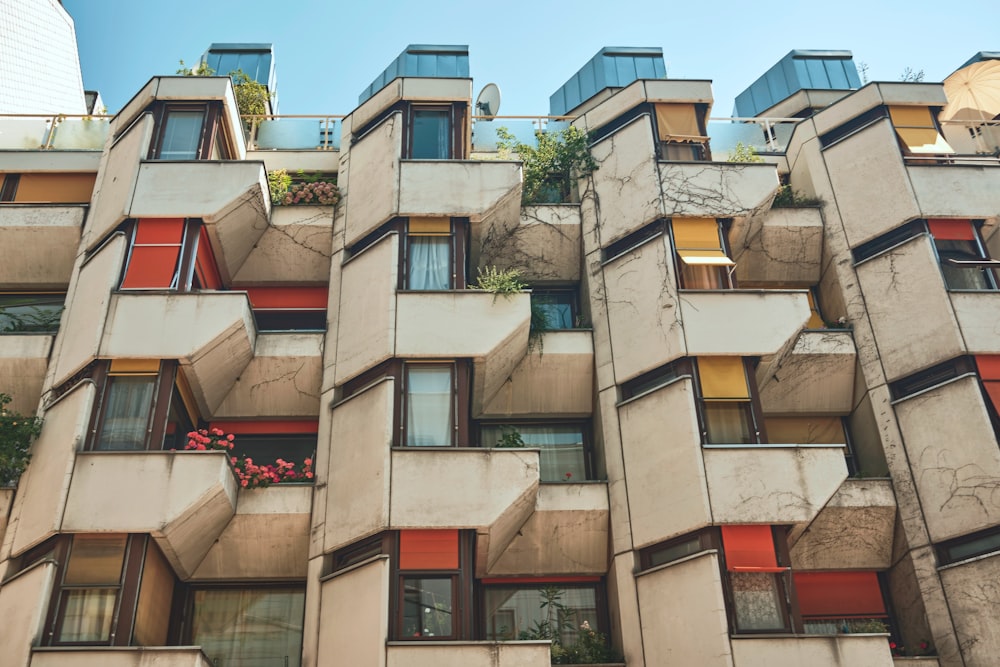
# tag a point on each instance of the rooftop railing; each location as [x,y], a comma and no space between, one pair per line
[60,132]
[973,140]
[293,133]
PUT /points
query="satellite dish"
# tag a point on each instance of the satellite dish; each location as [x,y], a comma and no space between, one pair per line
[488,102]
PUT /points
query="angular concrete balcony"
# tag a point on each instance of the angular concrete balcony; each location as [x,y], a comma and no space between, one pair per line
[295,248]
[183,499]
[122,656]
[468,654]
[957,190]
[782,246]
[831,651]
[541,241]
[24,359]
[978,314]
[741,322]
[490,329]
[853,532]
[813,373]
[555,378]
[566,534]
[38,245]
[232,197]
[268,537]
[354,634]
[282,379]
[491,490]
[24,600]
[776,484]
[716,189]
[211,333]
[458,188]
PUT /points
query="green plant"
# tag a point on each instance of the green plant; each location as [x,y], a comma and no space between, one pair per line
[788,198]
[549,167]
[16,434]
[279,181]
[510,437]
[201,69]
[252,97]
[744,153]
[865,626]
[499,281]
[539,325]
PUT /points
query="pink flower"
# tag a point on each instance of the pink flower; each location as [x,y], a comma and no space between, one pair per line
[244,483]
[308,462]
[309,475]
[230,437]
[217,431]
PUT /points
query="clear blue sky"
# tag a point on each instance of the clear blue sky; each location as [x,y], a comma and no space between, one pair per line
[327,52]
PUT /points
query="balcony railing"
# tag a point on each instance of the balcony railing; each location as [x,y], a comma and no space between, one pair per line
[981,137]
[523,128]
[763,135]
[59,132]
[293,133]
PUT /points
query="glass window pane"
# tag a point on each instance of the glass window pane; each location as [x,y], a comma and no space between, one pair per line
[249,627]
[178,423]
[542,612]
[562,458]
[429,403]
[427,607]
[976,547]
[727,423]
[962,277]
[431,135]
[95,559]
[126,413]
[156,590]
[30,313]
[674,552]
[181,135]
[557,309]
[757,601]
[429,266]
[87,615]
[703,276]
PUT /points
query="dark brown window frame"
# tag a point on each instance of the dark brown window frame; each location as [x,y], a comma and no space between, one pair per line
[8,188]
[599,588]
[942,549]
[585,426]
[932,377]
[754,409]
[727,274]
[185,278]
[656,378]
[460,234]
[457,113]
[214,134]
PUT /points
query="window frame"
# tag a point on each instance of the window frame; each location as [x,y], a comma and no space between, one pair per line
[979,257]
[185,276]
[460,387]
[213,134]
[725,274]
[583,425]
[456,114]
[943,549]
[596,584]
[571,298]
[43,295]
[789,610]
[699,146]
[754,411]
[458,249]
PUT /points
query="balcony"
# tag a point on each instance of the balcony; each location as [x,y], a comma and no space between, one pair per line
[978,314]
[267,538]
[183,499]
[353,634]
[853,532]
[38,245]
[124,656]
[58,132]
[211,333]
[733,322]
[963,582]
[23,361]
[832,650]
[966,187]
[295,248]
[783,246]
[716,189]
[232,197]
[24,600]
[282,379]
[311,143]
[776,484]
[543,243]
[557,380]
[468,654]
[813,373]
[567,533]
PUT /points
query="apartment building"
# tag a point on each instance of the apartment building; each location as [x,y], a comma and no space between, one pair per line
[744,413]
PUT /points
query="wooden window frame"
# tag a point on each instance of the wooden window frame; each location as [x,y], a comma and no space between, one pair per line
[706,539]
[573,299]
[457,112]
[701,150]
[213,131]
[726,273]
[754,409]
[584,426]
[459,239]
[597,584]
[790,613]
[184,275]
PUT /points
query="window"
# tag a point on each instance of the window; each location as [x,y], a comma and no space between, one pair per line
[888,241]
[29,312]
[917,131]
[728,413]
[835,602]
[181,137]
[539,610]
[170,254]
[259,625]
[633,240]
[969,546]
[989,375]
[433,585]
[964,261]
[189,132]
[267,441]
[678,548]
[144,404]
[430,405]
[289,308]
[756,581]
[555,309]
[8,187]
[564,454]
[435,254]
[436,132]
[113,590]
[702,261]
[930,378]
[680,132]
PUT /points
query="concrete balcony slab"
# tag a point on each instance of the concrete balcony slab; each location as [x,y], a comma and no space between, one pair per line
[832,650]
[24,359]
[733,322]
[716,189]
[38,245]
[783,246]
[813,374]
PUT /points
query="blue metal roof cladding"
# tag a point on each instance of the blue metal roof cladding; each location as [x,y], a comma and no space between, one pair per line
[982,55]
[254,60]
[433,60]
[799,70]
[612,67]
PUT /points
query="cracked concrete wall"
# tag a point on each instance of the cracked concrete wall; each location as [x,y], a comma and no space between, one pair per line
[543,244]
[295,248]
[371,193]
[781,247]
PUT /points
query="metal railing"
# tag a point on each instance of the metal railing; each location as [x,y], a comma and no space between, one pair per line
[53,132]
[293,132]
[974,141]
[523,128]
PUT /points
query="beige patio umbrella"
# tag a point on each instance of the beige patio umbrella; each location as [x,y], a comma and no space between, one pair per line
[973,92]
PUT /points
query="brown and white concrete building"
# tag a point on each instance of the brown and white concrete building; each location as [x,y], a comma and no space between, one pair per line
[745,412]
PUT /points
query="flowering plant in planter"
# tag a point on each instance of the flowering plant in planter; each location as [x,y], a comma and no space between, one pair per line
[324,193]
[250,474]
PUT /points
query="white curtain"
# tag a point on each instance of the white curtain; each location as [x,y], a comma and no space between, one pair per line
[126,413]
[429,414]
[181,135]
[430,263]
[88,614]
[562,449]
[726,422]
[249,627]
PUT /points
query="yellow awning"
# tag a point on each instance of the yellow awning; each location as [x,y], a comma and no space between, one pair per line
[135,366]
[915,126]
[701,257]
[696,234]
[678,122]
[429,226]
[815,321]
[723,378]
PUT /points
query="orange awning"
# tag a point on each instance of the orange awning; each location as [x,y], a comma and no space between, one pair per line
[678,122]
[723,377]
[749,548]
